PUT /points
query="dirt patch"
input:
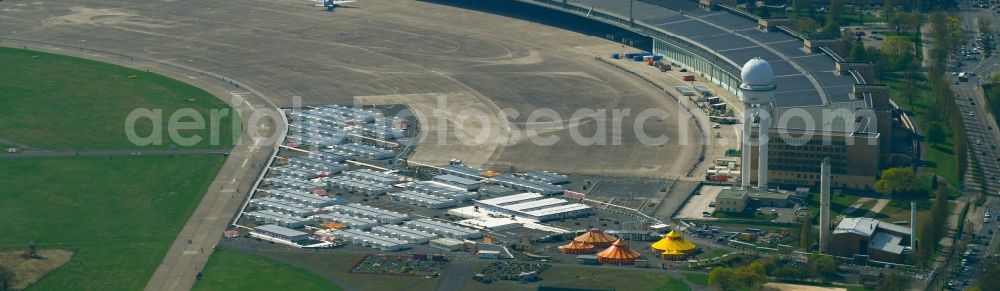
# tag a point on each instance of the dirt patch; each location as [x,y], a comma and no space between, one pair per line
[29,271]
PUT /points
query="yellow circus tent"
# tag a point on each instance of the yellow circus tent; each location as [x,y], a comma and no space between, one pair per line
[673,246]
[618,253]
[596,238]
[576,247]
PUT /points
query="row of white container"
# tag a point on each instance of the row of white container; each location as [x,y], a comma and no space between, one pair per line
[372,240]
[364,151]
[381,215]
[294,172]
[404,233]
[350,221]
[442,190]
[284,207]
[443,229]
[295,184]
[374,176]
[329,167]
[358,186]
[423,200]
[281,219]
[302,197]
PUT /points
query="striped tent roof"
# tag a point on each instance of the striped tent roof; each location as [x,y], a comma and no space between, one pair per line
[576,245]
[618,250]
[595,237]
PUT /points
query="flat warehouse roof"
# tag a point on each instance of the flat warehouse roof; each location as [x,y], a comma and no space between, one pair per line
[280,230]
[558,209]
[510,198]
[535,204]
[456,179]
[441,226]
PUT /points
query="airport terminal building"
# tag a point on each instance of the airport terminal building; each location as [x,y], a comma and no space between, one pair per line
[852,119]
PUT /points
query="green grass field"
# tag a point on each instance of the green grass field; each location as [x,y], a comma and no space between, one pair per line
[231,270]
[697,278]
[331,266]
[120,215]
[591,278]
[53,102]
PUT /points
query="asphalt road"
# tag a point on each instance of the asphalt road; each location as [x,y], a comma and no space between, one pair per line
[984,138]
[135,153]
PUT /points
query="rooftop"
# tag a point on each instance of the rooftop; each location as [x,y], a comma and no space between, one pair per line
[887,243]
[869,226]
[738,193]
[279,230]
[802,78]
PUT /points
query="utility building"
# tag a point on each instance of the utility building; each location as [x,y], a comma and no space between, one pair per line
[880,241]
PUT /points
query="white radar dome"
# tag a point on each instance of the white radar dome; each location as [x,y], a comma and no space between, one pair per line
[757,72]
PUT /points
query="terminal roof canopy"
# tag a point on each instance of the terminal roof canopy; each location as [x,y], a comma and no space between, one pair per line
[738,39]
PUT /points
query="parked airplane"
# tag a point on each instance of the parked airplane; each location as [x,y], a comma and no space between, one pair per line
[331,4]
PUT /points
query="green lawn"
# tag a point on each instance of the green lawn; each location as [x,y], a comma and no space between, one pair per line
[899,210]
[120,215]
[867,205]
[54,102]
[231,270]
[591,277]
[714,253]
[697,278]
[941,158]
[335,266]
[838,202]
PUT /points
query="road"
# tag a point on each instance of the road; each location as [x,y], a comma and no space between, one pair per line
[179,152]
[984,136]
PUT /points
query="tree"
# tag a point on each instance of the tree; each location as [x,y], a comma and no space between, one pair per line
[805,25]
[802,6]
[836,9]
[830,29]
[823,267]
[751,277]
[986,27]
[892,282]
[936,134]
[895,181]
[7,278]
[934,225]
[895,47]
[857,52]
[990,279]
[888,9]
[805,234]
[722,278]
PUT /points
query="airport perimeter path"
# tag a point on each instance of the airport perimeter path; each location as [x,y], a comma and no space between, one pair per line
[203,230]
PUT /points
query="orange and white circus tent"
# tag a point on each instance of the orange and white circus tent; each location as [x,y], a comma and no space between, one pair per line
[619,254]
[673,246]
[575,247]
[596,238]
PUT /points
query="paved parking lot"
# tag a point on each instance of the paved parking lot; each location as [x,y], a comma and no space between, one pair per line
[697,205]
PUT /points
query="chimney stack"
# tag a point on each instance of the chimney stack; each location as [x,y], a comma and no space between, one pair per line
[913,224]
[824,206]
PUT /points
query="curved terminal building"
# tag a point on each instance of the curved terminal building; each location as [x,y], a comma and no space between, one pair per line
[823,106]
